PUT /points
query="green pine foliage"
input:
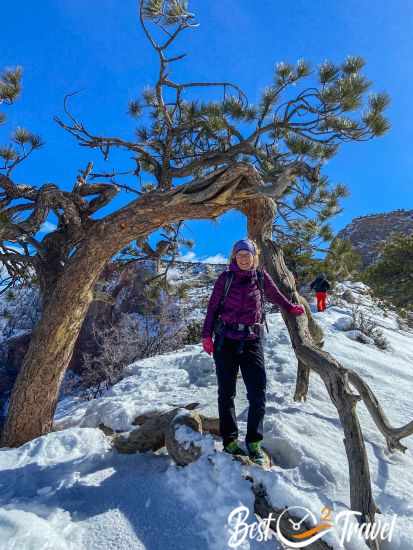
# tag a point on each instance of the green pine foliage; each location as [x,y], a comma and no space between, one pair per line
[342,261]
[22,142]
[391,278]
[10,87]
[300,261]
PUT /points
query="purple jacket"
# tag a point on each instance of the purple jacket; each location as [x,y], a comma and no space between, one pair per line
[243,301]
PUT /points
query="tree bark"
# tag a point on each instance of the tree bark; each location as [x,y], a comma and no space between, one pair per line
[36,390]
[303,372]
[158,429]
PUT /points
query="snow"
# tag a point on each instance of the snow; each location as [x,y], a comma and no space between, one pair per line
[344,323]
[70,490]
[188,438]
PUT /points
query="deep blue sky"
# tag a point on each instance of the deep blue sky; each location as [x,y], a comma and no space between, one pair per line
[98,46]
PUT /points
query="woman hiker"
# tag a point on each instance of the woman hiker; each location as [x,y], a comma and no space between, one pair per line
[320,285]
[235,315]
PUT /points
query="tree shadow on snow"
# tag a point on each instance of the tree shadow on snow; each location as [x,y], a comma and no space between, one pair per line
[145,513]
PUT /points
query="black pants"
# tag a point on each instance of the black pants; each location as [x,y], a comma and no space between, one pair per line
[249,356]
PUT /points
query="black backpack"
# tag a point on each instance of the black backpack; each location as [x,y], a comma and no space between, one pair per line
[260,280]
[320,284]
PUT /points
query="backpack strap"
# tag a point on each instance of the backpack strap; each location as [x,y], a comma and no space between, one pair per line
[260,280]
[229,277]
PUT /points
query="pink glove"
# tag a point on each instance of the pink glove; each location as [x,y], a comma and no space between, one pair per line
[208,345]
[297,309]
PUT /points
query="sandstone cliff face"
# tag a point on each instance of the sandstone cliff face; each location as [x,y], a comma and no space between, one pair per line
[368,233]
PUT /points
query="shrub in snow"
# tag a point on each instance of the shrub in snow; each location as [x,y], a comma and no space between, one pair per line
[193,332]
[19,311]
[335,297]
[358,336]
[367,326]
[404,320]
[123,343]
[349,296]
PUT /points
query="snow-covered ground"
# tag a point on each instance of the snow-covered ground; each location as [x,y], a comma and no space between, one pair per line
[70,490]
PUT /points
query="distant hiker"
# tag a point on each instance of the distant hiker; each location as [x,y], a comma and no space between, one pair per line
[236,317]
[320,285]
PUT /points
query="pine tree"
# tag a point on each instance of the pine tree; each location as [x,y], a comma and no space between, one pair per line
[16,262]
[300,259]
[301,119]
[342,261]
[189,159]
[391,277]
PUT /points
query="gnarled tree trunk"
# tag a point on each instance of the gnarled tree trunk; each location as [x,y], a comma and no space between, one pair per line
[36,390]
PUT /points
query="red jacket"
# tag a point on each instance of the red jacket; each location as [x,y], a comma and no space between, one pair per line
[243,301]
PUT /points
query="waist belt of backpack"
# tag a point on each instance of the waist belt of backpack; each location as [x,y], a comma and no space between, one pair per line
[241,326]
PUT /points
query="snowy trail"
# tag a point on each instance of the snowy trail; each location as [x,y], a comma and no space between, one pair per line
[120,504]
[69,490]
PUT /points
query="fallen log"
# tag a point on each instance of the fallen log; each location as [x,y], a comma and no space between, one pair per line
[156,429]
